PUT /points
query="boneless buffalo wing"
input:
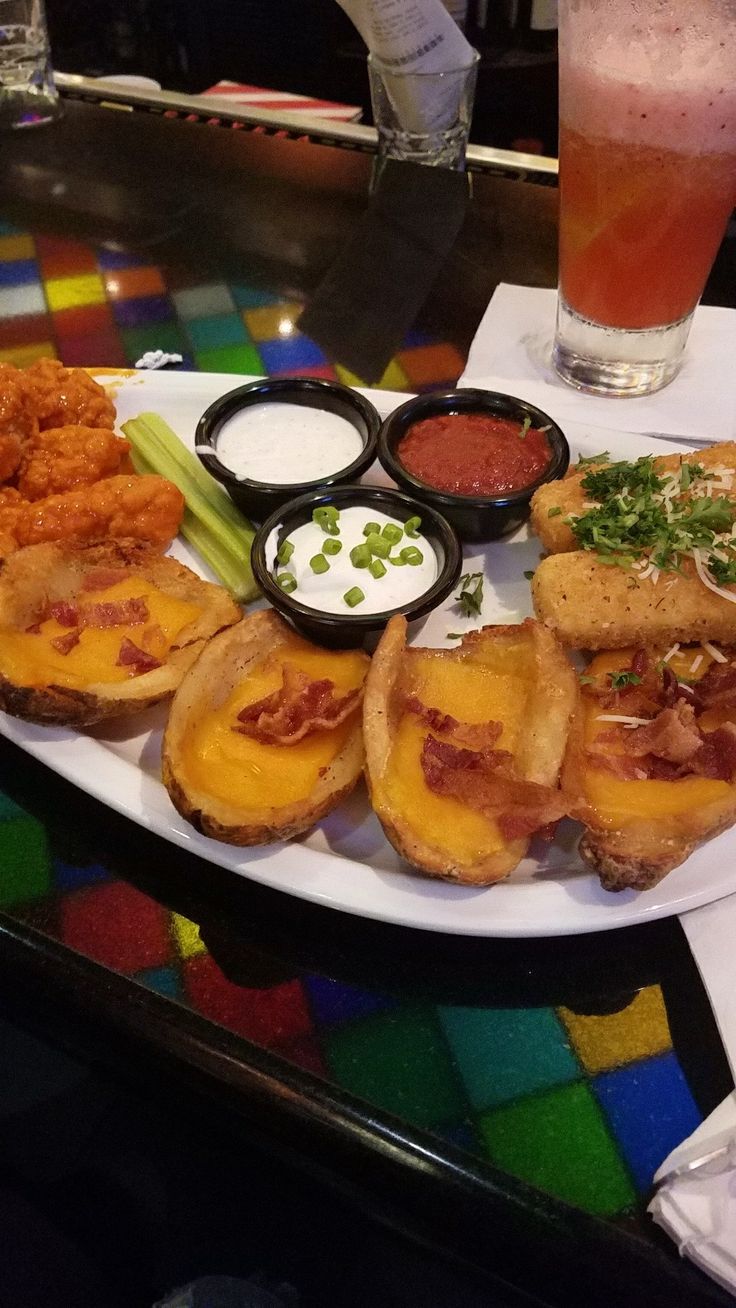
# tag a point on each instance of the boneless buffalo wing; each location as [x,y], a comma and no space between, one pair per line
[137,508]
[60,458]
[63,396]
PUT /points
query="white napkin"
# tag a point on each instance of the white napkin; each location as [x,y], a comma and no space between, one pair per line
[696,1205]
[511,353]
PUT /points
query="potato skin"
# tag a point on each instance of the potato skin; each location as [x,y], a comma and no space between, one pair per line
[222,664]
[539,756]
[39,574]
[590,605]
[569,496]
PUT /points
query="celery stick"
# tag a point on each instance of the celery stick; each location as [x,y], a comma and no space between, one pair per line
[211,522]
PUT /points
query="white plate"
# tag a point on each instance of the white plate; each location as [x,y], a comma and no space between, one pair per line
[346,862]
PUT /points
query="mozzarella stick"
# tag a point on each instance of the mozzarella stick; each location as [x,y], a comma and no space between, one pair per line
[591,605]
[568,495]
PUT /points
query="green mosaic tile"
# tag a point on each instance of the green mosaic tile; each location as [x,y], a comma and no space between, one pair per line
[25,865]
[212,333]
[155,336]
[230,358]
[504,1053]
[398,1061]
[558,1141]
[8,808]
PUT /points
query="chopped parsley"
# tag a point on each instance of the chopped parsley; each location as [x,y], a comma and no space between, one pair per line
[619,680]
[470,597]
[723,571]
[529,574]
[526,424]
[640,511]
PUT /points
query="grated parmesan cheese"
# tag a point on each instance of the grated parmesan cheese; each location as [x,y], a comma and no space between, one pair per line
[715,653]
[624,718]
[696,662]
[671,652]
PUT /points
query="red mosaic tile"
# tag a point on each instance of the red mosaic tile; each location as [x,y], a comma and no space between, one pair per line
[432,363]
[118,926]
[24,329]
[319,370]
[306,1053]
[129,283]
[82,320]
[267,1017]
[103,349]
[61,258]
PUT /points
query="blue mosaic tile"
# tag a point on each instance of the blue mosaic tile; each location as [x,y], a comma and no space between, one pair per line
[290,353]
[164,980]
[18,272]
[109,260]
[142,310]
[650,1110]
[68,877]
[332,1002]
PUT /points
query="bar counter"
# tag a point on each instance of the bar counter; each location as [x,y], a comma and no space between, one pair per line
[505,1101]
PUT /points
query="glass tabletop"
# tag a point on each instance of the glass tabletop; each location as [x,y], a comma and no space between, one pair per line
[573,1064]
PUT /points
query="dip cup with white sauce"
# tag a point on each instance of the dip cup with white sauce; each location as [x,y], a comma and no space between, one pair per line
[276,438]
[420,590]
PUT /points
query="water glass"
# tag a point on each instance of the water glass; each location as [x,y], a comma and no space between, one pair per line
[28,96]
[423,117]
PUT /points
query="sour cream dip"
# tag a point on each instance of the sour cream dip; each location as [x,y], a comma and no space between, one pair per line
[325,591]
[286,444]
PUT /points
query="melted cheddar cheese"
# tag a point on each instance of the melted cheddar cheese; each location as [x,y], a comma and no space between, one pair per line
[29,659]
[618,802]
[488,684]
[237,769]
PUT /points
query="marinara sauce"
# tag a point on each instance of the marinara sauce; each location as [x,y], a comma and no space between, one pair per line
[474,453]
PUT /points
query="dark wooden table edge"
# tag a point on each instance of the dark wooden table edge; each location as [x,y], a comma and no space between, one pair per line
[444,1197]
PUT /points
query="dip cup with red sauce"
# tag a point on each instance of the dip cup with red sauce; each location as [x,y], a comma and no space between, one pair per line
[475,456]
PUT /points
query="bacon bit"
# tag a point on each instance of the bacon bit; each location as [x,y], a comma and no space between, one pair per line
[477,735]
[640,663]
[718,686]
[299,708]
[673,735]
[716,758]
[65,644]
[111,613]
[131,656]
[66,614]
[484,780]
[618,765]
[103,578]
[34,629]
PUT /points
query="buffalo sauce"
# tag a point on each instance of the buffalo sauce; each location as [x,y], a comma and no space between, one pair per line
[474,453]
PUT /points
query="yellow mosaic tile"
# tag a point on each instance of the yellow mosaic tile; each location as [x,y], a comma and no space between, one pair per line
[23,355]
[186,935]
[394,378]
[73,292]
[16,247]
[638,1031]
[272,321]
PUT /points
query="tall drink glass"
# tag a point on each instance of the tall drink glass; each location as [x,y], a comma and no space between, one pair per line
[647,182]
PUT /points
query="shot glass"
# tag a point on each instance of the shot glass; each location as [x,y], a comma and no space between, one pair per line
[28,96]
[423,117]
[647,182]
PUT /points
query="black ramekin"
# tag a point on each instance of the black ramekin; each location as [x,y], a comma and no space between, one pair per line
[474,517]
[256,498]
[351,630]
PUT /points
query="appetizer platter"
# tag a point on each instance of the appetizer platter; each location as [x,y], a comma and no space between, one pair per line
[513,787]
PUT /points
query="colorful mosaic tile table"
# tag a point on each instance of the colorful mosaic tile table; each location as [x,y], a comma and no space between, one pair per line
[571,1065]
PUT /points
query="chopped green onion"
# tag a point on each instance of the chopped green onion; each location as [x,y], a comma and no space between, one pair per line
[353,597]
[397,560]
[286,581]
[378,545]
[285,552]
[326,517]
[526,424]
[392,532]
[211,523]
[412,525]
[318,563]
[371,528]
[411,555]
[554,512]
[360,556]
[332,546]
[377,568]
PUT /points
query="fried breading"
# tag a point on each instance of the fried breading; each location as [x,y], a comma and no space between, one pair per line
[591,605]
[18,422]
[568,497]
[137,508]
[67,395]
[60,458]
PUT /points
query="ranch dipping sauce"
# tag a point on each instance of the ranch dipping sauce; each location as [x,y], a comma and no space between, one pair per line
[286,444]
[325,590]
